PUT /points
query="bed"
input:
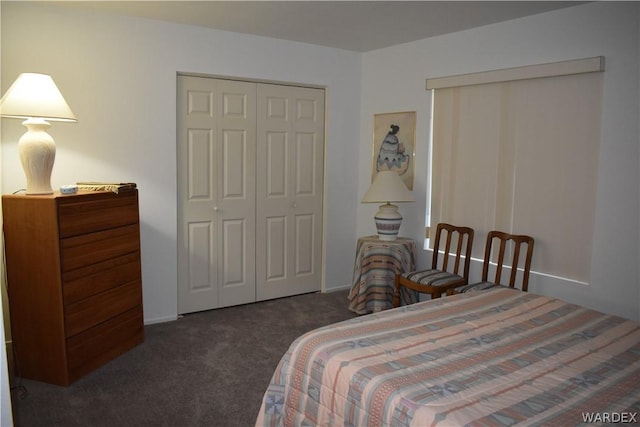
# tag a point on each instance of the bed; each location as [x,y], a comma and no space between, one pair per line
[490,358]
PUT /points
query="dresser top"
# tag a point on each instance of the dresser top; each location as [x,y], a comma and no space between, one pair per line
[80,194]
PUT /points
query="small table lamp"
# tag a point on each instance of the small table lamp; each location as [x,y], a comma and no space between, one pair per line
[36,98]
[388,187]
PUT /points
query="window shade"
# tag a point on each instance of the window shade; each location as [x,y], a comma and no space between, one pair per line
[521,157]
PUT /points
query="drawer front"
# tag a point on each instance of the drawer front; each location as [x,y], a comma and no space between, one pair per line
[84,282]
[89,214]
[95,347]
[88,249]
[101,307]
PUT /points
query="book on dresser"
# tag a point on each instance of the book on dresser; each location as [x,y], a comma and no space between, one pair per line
[74,281]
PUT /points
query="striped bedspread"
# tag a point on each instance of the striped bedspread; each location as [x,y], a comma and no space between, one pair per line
[490,358]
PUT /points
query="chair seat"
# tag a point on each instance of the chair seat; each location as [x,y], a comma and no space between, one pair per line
[440,277]
[480,286]
[433,277]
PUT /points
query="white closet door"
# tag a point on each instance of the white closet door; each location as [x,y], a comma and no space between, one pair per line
[216,193]
[290,152]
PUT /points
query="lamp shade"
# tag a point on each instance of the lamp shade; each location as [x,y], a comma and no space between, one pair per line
[387,186]
[35,96]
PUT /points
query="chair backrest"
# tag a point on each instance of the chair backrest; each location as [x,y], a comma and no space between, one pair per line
[463,238]
[518,241]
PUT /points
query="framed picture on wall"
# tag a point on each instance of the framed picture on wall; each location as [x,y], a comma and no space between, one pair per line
[394,136]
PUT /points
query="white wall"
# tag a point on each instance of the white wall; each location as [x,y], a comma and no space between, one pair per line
[394,80]
[118,74]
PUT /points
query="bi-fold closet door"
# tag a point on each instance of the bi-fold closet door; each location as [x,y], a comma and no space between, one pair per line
[250,177]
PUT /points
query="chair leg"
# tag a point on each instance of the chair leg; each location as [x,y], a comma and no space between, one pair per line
[396,291]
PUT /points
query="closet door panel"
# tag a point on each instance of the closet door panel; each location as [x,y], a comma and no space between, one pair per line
[289,185]
[276,248]
[197,195]
[235,210]
[200,243]
[200,147]
[277,149]
[235,253]
[305,236]
[216,193]
[234,155]
[308,206]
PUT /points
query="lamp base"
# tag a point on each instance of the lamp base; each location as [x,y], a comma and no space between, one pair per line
[388,221]
[37,153]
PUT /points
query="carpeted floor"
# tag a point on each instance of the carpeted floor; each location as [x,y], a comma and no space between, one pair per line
[205,369]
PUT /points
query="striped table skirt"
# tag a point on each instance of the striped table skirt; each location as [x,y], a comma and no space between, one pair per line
[377,262]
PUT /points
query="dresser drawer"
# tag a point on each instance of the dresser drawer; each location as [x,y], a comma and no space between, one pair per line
[96,212]
[98,308]
[88,249]
[96,346]
[84,282]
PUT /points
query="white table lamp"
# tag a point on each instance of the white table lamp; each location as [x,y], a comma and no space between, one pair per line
[36,98]
[387,188]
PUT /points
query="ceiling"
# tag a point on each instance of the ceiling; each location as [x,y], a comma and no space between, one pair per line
[353,25]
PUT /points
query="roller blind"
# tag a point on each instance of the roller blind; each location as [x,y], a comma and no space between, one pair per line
[521,156]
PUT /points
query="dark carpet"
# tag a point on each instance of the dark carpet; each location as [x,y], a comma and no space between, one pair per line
[205,369]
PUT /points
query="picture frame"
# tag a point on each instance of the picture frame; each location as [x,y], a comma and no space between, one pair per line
[394,136]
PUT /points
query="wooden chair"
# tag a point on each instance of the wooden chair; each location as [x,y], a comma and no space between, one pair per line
[438,279]
[503,238]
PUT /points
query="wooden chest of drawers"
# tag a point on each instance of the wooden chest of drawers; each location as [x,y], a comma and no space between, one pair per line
[74,281]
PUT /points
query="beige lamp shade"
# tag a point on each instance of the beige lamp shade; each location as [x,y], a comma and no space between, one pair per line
[388,187]
[36,98]
[35,95]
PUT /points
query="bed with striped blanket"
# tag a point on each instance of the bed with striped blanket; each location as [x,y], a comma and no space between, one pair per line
[491,358]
